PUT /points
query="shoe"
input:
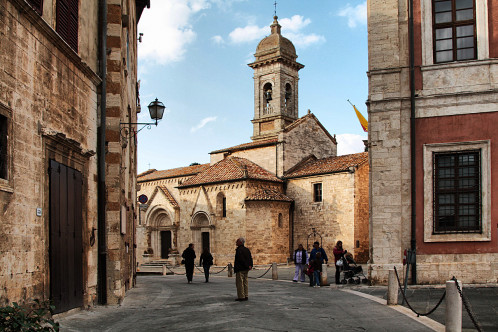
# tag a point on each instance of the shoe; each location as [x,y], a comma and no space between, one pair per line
[294,280]
[246,298]
[317,286]
[242,299]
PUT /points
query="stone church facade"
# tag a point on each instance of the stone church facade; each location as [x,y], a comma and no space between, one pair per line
[287,186]
[432,134]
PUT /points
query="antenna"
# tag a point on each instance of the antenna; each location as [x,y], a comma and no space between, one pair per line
[275,4]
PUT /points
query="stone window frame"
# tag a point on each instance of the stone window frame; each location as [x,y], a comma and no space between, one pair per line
[482,31]
[428,152]
[7,184]
[313,196]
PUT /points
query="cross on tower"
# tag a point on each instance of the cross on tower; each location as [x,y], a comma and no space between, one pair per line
[275,4]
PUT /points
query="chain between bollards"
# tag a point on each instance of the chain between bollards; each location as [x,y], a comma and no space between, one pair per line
[261,276]
[408,304]
[467,306]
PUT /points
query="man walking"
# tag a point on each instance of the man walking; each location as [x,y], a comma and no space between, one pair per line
[189,257]
[242,265]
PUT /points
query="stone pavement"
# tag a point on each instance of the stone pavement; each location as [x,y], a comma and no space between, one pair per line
[168,303]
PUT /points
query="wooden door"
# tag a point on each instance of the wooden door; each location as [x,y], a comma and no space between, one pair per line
[66,242]
[205,241]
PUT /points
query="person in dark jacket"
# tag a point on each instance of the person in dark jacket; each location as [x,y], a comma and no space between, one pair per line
[300,259]
[206,261]
[242,265]
[317,248]
[189,257]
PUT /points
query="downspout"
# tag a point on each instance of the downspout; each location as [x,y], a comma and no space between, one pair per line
[101,152]
[413,240]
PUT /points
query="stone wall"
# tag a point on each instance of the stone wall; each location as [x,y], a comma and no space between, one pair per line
[361,215]
[265,157]
[49,96]
[333,218]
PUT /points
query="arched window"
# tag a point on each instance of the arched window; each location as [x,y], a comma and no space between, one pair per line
[267,97]
[288,94]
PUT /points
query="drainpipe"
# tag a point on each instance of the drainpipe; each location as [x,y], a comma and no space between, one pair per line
[413,240]
[101,152]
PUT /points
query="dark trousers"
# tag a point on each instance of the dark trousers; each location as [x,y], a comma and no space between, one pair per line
[206,271]
[311,279]
[337,274]
[189,270]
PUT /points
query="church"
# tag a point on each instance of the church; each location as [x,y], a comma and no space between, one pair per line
[285,187]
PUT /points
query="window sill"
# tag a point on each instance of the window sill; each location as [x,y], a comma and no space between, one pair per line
[5,186]
[458,237]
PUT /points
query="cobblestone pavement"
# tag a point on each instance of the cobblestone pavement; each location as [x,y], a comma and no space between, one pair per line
[168,303]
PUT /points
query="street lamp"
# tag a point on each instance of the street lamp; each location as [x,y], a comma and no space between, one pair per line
[156,110]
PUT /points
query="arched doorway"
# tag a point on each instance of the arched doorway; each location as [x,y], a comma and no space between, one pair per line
[161,233]
[202,231]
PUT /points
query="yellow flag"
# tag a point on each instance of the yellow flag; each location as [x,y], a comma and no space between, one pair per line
[363,121]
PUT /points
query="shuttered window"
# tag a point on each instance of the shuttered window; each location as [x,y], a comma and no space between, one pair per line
[67,22]
[37,5]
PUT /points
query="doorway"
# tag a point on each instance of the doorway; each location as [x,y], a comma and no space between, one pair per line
[66,241]
[165,243]
[205,241]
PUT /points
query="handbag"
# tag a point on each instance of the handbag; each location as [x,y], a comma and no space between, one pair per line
[339,262]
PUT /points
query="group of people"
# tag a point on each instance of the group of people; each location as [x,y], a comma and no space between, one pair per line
[243,263]
[312,265]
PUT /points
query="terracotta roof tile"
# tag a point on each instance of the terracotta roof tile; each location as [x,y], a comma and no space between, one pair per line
[169,197]
[313,166]
[267,194]
[247,146]
[171,173]
[230,169]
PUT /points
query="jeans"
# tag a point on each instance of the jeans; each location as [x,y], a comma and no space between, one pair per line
[206,271]
[317,278]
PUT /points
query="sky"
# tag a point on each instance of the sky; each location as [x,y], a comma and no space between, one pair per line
[194,54]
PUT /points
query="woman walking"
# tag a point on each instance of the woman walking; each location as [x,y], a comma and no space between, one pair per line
[206,261]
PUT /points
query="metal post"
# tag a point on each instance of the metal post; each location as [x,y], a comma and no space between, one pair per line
[392,289]
[453,316]
[274,271]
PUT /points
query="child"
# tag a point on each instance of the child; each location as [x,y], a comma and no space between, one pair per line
[316,266]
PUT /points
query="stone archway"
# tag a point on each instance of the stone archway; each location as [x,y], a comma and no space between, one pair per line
[161,233]
[202,231]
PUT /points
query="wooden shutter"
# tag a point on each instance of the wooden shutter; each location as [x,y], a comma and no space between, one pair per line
[67,21]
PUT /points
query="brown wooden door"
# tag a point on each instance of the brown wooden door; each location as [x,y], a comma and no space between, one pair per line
[205,241]
[66,242]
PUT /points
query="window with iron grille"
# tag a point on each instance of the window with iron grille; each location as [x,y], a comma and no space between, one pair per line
[4,161]
[457,192]
[317,192]
[454,24]
[67,22]
[37,5]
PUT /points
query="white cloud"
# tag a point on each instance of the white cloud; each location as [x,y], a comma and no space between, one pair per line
[203,122]
[218,40]
[295,23]
[350,143]
[291,28]
[356,15]
[248,33]
[167,30]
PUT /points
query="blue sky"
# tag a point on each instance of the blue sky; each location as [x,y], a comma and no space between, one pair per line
[194,54]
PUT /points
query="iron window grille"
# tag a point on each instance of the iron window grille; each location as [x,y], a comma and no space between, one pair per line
[457,192]
[454,30]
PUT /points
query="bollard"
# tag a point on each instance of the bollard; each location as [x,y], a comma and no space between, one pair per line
[324,278]
[274,272]
[453,316]
[164,270]
[230,270]
[392,289]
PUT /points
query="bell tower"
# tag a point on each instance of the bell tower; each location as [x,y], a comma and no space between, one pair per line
[275,84]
